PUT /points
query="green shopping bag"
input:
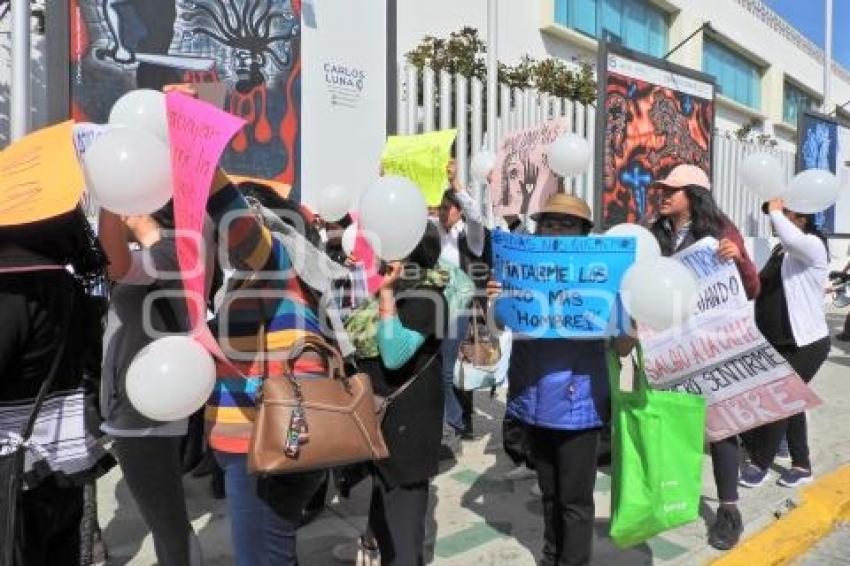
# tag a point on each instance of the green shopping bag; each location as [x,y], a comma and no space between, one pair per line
[656,449]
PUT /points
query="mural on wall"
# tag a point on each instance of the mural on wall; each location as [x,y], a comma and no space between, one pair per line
[652,119]
[253,47]
[817,148]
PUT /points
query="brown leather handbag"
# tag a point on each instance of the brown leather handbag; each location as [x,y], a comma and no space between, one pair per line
[310,423]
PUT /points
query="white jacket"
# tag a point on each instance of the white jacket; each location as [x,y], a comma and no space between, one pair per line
[805,269]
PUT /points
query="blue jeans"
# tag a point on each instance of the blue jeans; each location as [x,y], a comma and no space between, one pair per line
[264,511]
[450,348]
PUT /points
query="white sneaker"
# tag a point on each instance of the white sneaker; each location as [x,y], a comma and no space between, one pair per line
[535,490]
[521,472]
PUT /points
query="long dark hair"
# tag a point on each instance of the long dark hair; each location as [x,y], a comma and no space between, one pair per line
[165,216]
[293,215]
[67,239]
[811,227]
[706,220]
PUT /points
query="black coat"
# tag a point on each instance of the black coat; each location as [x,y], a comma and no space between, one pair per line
[413,425]
[34,306]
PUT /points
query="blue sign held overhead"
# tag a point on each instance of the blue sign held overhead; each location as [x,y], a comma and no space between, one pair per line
[560,287]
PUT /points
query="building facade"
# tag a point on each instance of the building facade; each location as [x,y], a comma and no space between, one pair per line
[766,70]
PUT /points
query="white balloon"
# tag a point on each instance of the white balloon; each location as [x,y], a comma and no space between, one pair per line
[349,238]
[660,292]
[762,174]
[394,211]
[128,171]
[143,109]
[334,203]
[170,378]
[569,155]
[812,191]
[482,163]
[647,245]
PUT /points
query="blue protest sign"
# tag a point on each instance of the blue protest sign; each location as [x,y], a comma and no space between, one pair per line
[560,287]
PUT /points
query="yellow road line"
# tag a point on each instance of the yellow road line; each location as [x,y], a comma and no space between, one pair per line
[824,502]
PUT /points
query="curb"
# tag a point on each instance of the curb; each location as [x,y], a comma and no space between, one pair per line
[824,503]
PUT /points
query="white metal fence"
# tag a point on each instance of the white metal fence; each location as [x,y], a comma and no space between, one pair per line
[449,101]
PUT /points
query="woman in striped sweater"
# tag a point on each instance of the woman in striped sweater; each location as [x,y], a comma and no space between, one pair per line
[271,310]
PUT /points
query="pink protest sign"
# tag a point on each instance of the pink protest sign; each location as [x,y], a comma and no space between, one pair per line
[719,353]
[521,177]
[198,133]
[365,254]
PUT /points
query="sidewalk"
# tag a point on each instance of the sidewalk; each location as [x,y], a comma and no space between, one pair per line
[477,517]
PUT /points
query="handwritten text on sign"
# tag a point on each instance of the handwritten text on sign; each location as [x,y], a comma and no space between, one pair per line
[423,159]
[721,354]
[39,176]
[198,134]
[522,178]
[560,287]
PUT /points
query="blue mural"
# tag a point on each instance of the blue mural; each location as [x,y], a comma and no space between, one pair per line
[818,148]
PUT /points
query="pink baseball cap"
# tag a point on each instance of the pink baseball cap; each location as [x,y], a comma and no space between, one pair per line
[683,176]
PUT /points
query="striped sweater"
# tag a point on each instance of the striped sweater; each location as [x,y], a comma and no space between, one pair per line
[274,299]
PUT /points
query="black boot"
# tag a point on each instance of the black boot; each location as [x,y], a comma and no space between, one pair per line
[727,528]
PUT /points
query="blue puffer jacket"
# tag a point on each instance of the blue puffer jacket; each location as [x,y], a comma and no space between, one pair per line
[559,384]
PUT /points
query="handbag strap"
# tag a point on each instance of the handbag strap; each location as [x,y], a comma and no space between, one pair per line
[614,368]
[389,399]
[476,311]
[26,431]
[30,268]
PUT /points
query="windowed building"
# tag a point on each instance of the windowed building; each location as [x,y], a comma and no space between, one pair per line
[766,71]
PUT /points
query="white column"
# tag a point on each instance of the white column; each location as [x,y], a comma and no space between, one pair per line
[19,108]
[827,63]
[492,72]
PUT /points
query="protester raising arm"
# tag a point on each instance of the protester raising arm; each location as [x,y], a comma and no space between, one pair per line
[806,248]
[396,343]
[475,235]
[112,234]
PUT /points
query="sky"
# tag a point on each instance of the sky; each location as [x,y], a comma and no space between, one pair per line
[808,17]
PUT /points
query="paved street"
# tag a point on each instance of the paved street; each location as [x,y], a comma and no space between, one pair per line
[834,550]
[478,517]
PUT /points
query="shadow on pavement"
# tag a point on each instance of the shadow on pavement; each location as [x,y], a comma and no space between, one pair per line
[511,509]
[126,530]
